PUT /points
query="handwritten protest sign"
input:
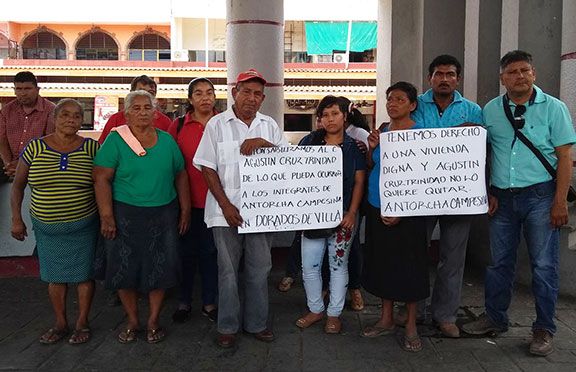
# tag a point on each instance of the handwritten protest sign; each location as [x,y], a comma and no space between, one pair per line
[291,188]
[433,172]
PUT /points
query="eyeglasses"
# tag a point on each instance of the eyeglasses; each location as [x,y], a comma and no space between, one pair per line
[519,120]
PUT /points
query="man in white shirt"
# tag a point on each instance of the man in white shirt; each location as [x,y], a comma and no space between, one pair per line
[240,129]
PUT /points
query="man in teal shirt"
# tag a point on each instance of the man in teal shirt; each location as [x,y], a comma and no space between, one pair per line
[524,197]
[443,106]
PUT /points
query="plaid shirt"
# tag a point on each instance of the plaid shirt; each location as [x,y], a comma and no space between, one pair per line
[19,124]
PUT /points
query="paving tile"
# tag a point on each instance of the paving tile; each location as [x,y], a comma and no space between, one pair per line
[534,367]
[500,367]
[25,313]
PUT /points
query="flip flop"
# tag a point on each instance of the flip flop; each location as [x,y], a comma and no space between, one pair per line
[127,335]
[153,336]
[53,335]
[376,331]
[412,344]
[80,336]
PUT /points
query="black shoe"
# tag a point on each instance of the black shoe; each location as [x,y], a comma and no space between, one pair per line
[212,314]
[181,315]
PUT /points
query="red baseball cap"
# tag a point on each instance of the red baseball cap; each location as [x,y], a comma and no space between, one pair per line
[250,75]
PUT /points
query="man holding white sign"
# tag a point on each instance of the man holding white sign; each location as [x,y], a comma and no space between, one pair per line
[443,106]
[240,129]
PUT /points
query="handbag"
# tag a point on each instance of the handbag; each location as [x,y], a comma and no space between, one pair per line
[517,124]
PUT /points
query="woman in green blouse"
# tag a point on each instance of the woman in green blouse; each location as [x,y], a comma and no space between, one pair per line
[58,168]
[143,198]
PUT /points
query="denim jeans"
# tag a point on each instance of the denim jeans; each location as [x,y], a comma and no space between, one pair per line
[198,253]
[338,247]
[527,211]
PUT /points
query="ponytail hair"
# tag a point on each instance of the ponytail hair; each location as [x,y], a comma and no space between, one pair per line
[354,116]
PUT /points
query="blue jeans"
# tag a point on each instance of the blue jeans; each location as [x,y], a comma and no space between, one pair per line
[338,246]
[529,212]
[198,252]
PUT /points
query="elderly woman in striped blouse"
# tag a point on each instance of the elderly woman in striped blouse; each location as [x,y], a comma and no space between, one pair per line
[58,168]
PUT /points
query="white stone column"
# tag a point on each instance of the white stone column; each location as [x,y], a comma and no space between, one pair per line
[471,34]
[510,24]
[384,58]
[568,59]
[255,39]
[176,38]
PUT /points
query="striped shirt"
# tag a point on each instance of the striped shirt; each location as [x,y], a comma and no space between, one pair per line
[61,183]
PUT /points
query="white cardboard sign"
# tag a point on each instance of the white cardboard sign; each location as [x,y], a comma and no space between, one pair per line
[291,188]
[433,172]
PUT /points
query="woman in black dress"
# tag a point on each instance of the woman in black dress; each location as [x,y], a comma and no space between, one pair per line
[395,256]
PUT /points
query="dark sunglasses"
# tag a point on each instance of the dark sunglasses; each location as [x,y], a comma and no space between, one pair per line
[519,112]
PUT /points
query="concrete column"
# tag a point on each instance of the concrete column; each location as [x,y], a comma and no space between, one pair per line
[568,57]
[510,14]
[489,51]
[540,34]
[510,20]
[255,39]
[175,33]
[444,30]
[472,28]
[407,41]
[383,59]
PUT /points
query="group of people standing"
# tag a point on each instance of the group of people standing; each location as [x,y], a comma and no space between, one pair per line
[164,198]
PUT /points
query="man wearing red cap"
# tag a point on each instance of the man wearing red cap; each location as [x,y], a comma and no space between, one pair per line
[239,130]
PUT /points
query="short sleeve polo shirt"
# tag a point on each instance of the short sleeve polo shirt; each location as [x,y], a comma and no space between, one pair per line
[547,125]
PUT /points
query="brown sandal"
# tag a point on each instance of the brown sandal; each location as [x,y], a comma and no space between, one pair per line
[333,325]
[377,331]
[309,319]
[411,344]
[127,335]
[80,336]
[155,335]
[53,335]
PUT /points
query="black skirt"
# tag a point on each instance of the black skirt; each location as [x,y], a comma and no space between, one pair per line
[144,255]
[396,258]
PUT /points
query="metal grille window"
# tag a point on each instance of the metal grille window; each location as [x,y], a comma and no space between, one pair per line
[43,45]
[97,46]
[149,47]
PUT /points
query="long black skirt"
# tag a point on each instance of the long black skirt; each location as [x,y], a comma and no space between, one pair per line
[396,258]
[144,255]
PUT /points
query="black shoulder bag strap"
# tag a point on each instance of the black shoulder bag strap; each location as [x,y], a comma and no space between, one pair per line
[522,137]
[571,196]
